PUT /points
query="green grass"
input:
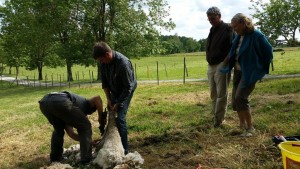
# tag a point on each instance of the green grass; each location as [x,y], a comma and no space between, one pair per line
[170,125]
[169,67]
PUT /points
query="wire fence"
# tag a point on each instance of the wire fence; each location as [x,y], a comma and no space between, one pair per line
[183,69]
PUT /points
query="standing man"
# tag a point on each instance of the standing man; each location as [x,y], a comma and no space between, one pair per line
[65,110]
[218,46]
[118,83]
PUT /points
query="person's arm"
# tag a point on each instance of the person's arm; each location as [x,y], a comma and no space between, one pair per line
[107,94]
[232,35]
[96,101]
[265,51]
[71,133]
[128,81]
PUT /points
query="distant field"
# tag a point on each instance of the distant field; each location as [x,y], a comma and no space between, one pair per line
[167,67]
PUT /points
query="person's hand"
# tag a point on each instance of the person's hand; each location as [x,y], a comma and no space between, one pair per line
[115,107]
[109,106]
[224,69]
[96,142]
[99,120]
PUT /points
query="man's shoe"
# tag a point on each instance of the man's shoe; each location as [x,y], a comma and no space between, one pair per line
[85,162]
[248,132]
[251,130]
[220,124]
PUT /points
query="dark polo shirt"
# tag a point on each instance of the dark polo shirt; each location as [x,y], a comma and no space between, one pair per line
[219,42]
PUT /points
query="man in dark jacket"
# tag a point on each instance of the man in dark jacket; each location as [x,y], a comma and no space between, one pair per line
[218,46]
[65,110]
[118,83]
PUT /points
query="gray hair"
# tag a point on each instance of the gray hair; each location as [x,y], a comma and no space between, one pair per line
[242,18]
[213,11]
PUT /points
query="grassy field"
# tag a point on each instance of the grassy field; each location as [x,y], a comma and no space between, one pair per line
[168,67]
[170,125]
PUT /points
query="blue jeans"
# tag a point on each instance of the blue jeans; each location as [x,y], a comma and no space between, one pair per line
[121,121]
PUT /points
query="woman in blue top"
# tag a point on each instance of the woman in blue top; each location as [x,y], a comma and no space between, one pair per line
[250,56]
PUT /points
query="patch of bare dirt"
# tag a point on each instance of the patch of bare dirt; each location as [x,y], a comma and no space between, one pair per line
[191,98]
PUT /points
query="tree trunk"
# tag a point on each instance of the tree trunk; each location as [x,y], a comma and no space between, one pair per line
[40,70]
[69,72]
[17,71]
[2,69]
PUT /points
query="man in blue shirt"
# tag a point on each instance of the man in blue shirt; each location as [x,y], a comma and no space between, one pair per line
[118,83]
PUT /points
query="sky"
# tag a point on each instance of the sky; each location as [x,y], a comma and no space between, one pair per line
[190,15]
[191,20]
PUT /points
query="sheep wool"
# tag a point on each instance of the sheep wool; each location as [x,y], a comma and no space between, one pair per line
[112,151]
[57,165]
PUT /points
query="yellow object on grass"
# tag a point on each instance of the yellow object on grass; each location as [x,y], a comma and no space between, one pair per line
[290,151]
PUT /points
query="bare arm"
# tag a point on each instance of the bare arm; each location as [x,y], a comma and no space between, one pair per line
[71,133]
[97,102]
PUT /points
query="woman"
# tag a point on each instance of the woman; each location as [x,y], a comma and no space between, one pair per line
[250,56]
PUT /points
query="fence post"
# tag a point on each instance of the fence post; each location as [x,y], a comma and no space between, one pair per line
[34,80]
[78,79]
[46,81]
[59,81]
[157,74]
[147,71]
[166,70]
[17,80]
[52,79]
[135,71]
[90,77]
[184,70]
[27,81]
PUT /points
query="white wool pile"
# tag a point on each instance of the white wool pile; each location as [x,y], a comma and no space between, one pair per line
[110,155]
[131,160]
[72,153]
[112,151]
[56,165]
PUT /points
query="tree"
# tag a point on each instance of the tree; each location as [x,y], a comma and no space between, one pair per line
[202,43]
[39,30]
[278,18]
[189,44]
[179,44]
[27,32]
[172,44]
[129,26]
[68,21]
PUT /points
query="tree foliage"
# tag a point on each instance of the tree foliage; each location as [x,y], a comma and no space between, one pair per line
[179,44]
[36,32]
[278,18]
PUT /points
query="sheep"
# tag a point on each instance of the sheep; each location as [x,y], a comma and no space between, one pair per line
[57,165]
[108,153]
[112,151]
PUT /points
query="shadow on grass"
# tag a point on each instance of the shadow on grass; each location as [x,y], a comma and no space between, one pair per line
[34,164]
